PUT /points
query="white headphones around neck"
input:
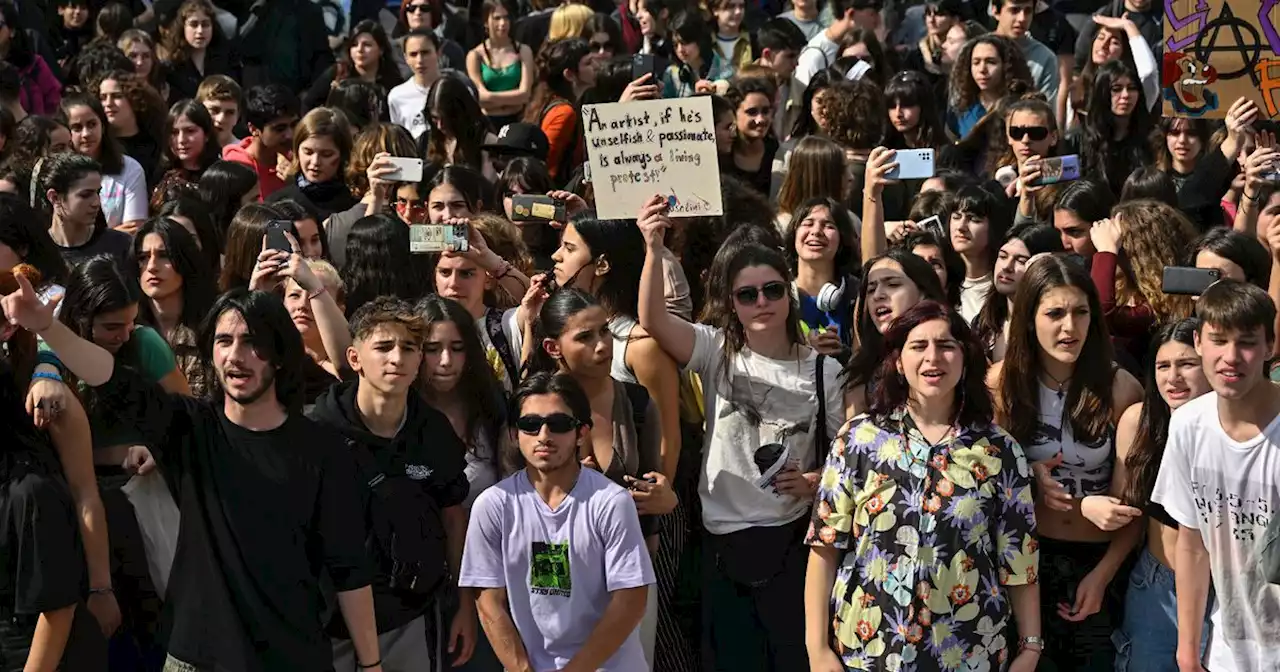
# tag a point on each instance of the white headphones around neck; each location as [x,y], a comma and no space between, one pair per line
[829,296]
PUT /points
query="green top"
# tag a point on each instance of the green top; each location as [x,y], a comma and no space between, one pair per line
[498,80]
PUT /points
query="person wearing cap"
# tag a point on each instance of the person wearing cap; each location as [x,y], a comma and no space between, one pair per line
[518,139]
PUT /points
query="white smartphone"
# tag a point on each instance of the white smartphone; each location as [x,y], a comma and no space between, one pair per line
[913,164]
[407,169]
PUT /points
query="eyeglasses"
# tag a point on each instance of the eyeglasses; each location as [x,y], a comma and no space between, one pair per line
[414,9]
[600,46]
[1034,133]
[748,296]
[558,423]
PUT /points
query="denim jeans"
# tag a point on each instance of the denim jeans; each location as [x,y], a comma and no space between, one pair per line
[1148,639]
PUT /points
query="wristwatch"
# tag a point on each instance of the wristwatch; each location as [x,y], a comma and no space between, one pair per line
[1033,643]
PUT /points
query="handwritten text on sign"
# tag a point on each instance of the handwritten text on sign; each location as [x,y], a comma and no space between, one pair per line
[649,147]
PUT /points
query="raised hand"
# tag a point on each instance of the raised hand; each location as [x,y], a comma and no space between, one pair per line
[653,221]
[23,308]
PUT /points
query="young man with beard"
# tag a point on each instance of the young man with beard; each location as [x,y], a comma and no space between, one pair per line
[413,467]
[1220,480]
[268,498]
[555,549]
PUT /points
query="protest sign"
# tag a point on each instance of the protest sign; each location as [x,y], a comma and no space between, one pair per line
[1216,51]
[649,147]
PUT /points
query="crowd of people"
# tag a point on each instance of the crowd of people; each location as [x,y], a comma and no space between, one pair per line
[983,418]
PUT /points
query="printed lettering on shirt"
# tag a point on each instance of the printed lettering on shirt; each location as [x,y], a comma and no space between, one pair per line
[418,472]
[1248,518]
[549,569]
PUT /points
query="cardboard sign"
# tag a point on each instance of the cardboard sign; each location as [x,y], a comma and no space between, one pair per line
[1216,51]
[649,147]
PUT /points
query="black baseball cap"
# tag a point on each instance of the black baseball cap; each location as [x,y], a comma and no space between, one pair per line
[521,139]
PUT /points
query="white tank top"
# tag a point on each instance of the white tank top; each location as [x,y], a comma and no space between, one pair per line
[621,327]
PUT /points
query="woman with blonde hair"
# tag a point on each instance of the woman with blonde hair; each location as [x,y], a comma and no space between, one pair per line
[503,237]
[321,149]
[369,160]
[816,168]
[140,47]
[569,21]
[1133,247]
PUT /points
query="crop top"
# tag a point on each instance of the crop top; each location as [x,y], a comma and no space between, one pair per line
[1086,467]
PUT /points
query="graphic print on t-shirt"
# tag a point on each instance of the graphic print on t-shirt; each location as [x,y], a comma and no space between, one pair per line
[549,569]
[779,442]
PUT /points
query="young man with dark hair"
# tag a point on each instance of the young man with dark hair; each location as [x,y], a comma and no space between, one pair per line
[1220,480]
[1013,20]
[555,550]
[271,112]
[412,467]
[778,45]
[268,499]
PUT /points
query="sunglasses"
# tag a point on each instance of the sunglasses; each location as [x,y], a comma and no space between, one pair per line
[558,423]
[748,296]
[600,46]
[414,9]
[1035,133]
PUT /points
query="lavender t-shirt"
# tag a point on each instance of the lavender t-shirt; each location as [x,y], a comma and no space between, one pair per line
[558,566]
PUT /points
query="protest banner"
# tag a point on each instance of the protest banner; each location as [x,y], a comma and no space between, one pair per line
[1216,51]
[642,148]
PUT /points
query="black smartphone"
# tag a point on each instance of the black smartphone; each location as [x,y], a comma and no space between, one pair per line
[643,64]
[276,240]
[1187,280]
[534,207]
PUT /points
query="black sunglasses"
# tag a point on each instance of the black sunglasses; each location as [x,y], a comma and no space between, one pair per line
[414,9]
[558,423]
[773,291]
[1035,133]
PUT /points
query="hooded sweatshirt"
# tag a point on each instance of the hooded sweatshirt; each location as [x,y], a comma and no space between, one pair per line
[425,459]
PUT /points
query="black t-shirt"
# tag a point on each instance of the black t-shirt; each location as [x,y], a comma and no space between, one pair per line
[105,240]
[758,180]
[426,453]
[263,513]
[144,149]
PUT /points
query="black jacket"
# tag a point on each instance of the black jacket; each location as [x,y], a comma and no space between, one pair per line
[406,482]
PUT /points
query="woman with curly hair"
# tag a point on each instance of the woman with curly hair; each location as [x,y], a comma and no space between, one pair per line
[140,47]
[754,145]
[566,70]
[983,73]
[136,113]
[367,55]
[368,160]
[195,48]
[1133,247]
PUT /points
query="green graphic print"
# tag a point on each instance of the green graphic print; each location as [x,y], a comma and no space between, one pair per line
[549,569]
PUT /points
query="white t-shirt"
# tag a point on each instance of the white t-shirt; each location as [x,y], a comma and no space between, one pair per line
[973,293]
[406,103]
[560,566]
[742,454]
[818,55]
[124,196]
[1227,490]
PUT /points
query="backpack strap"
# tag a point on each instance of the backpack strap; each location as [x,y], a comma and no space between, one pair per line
[493,327]
[820,436]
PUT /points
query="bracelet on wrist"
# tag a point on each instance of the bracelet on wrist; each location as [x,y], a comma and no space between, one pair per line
[370,666]
[1031,643]
[102,591]
[1252,199]
[46,375]
[312,296]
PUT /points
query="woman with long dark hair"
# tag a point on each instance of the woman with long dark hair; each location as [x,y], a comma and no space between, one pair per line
[823,251]
[244,244]
[764,438]
[189,210]
[124,181]
[698,59]
[527,175]
[1079,205]
[1060,395]
[1148,637]
[457,132]
[816,168]
[179,288]
[367,54]
[928,444]
[754,146]
[195,48]
[915,120]
[379,262]
[566,70]
[191,147]
[225,187]
[1120,133]
[992,323]
[501,68]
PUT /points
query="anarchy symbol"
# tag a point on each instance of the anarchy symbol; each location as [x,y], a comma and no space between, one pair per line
[1249,50]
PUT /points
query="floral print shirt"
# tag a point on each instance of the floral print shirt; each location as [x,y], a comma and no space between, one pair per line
[933,535]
